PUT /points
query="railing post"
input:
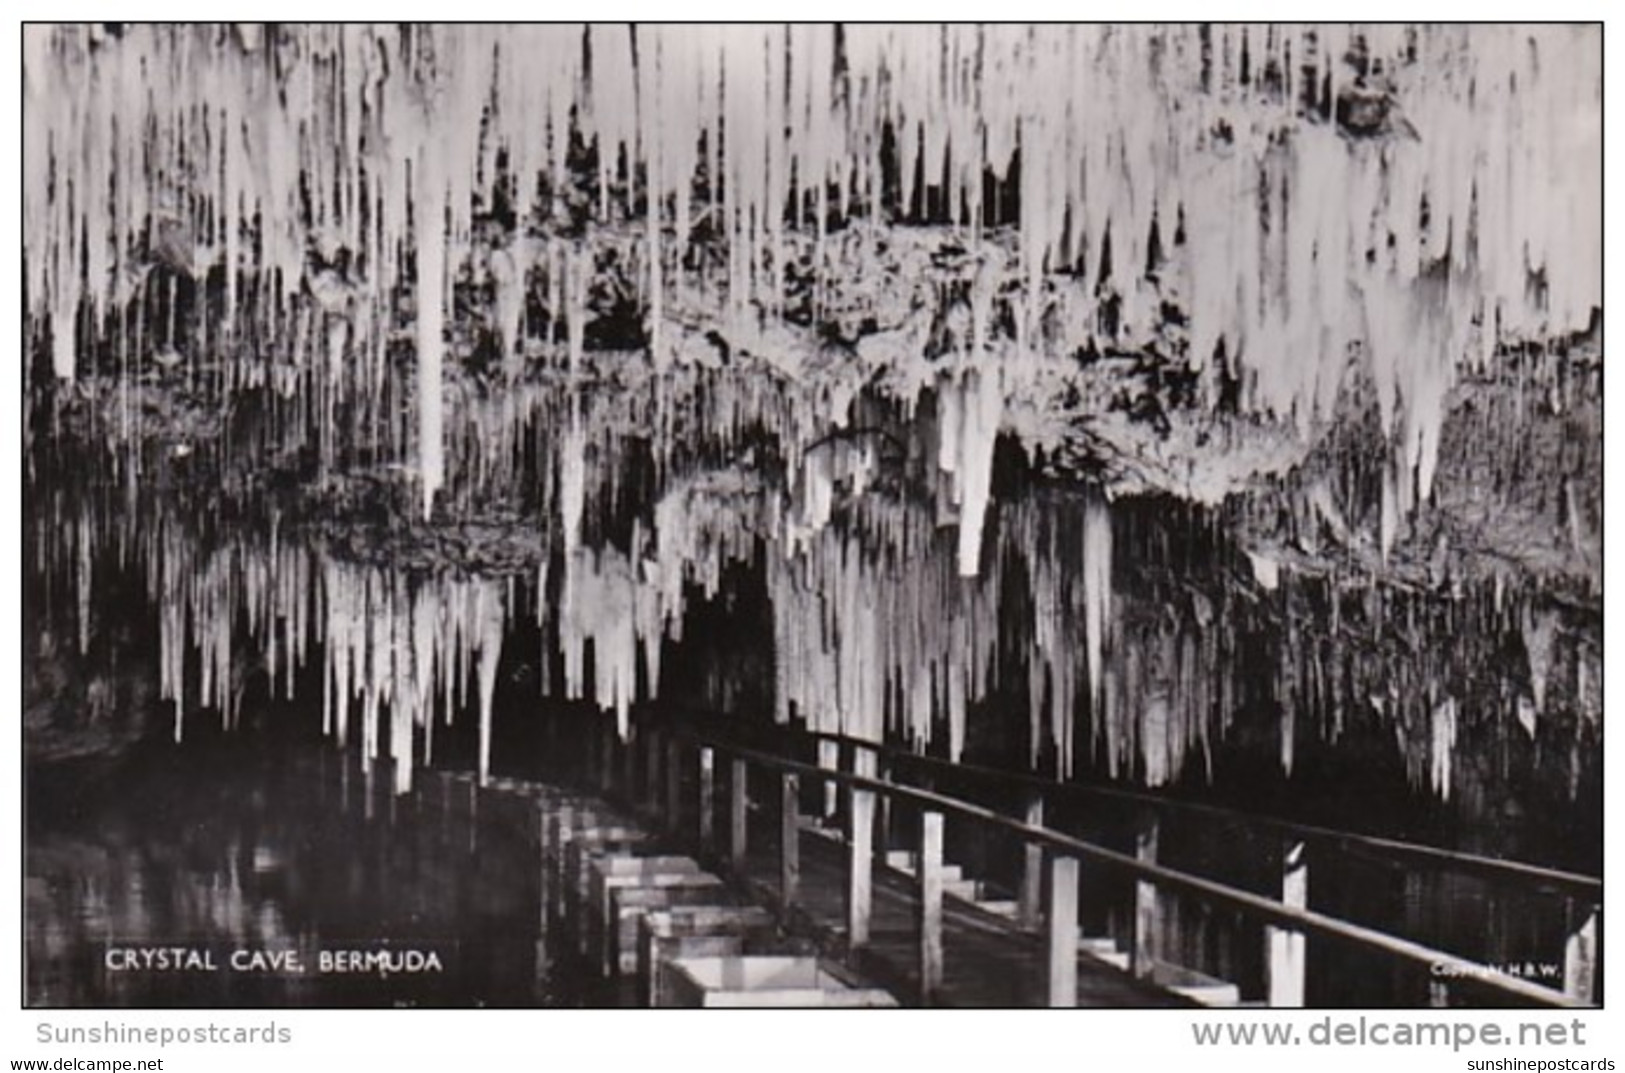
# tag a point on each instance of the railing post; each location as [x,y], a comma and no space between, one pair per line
[1147,915]
[883,773]
[931,836]
[1580,952]
[708,795]
[865,761]
[829,758]
[789,839]
[1031,904]
[860,863]
[674,782]
[1286,947]
[738,803]
[1063,931]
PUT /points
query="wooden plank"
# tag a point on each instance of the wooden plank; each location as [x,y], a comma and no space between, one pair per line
[1030,911]
[708,795]
[789,839]
[860,867]
[1063,931]
[738,803]
[1580,952]
[1147,912]
[1286,947]
[930,879]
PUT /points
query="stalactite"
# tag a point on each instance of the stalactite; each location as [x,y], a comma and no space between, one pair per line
[365,129]
[1443,746]
[322,181]
[431,270]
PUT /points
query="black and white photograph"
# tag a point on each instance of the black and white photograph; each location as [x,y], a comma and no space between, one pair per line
[677,515]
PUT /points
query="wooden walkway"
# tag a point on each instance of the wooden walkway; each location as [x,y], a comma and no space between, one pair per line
[987,960]
[889,918]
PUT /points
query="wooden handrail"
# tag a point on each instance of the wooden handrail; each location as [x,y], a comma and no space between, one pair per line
[1521,872]
[1458,971]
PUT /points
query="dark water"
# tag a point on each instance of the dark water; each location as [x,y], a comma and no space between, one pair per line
[278,867]
[242,852]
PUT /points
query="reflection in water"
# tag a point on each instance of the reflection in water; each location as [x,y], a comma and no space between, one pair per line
[224,873]
[1130,640]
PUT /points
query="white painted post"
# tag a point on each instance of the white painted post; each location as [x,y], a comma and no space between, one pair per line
[829,758]
[884,838]
[789,839]
[1031,904]
[1580,953]
[1147,913]
[930,878]
[860,851]
[738,803]
[1287,947]
[1063,931]
[860,862]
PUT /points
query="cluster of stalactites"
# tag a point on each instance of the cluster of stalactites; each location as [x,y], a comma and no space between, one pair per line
[202,596]
[873,628]
[875,635]
[1426,192]
[878,630]
[261,604]
[627,604]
